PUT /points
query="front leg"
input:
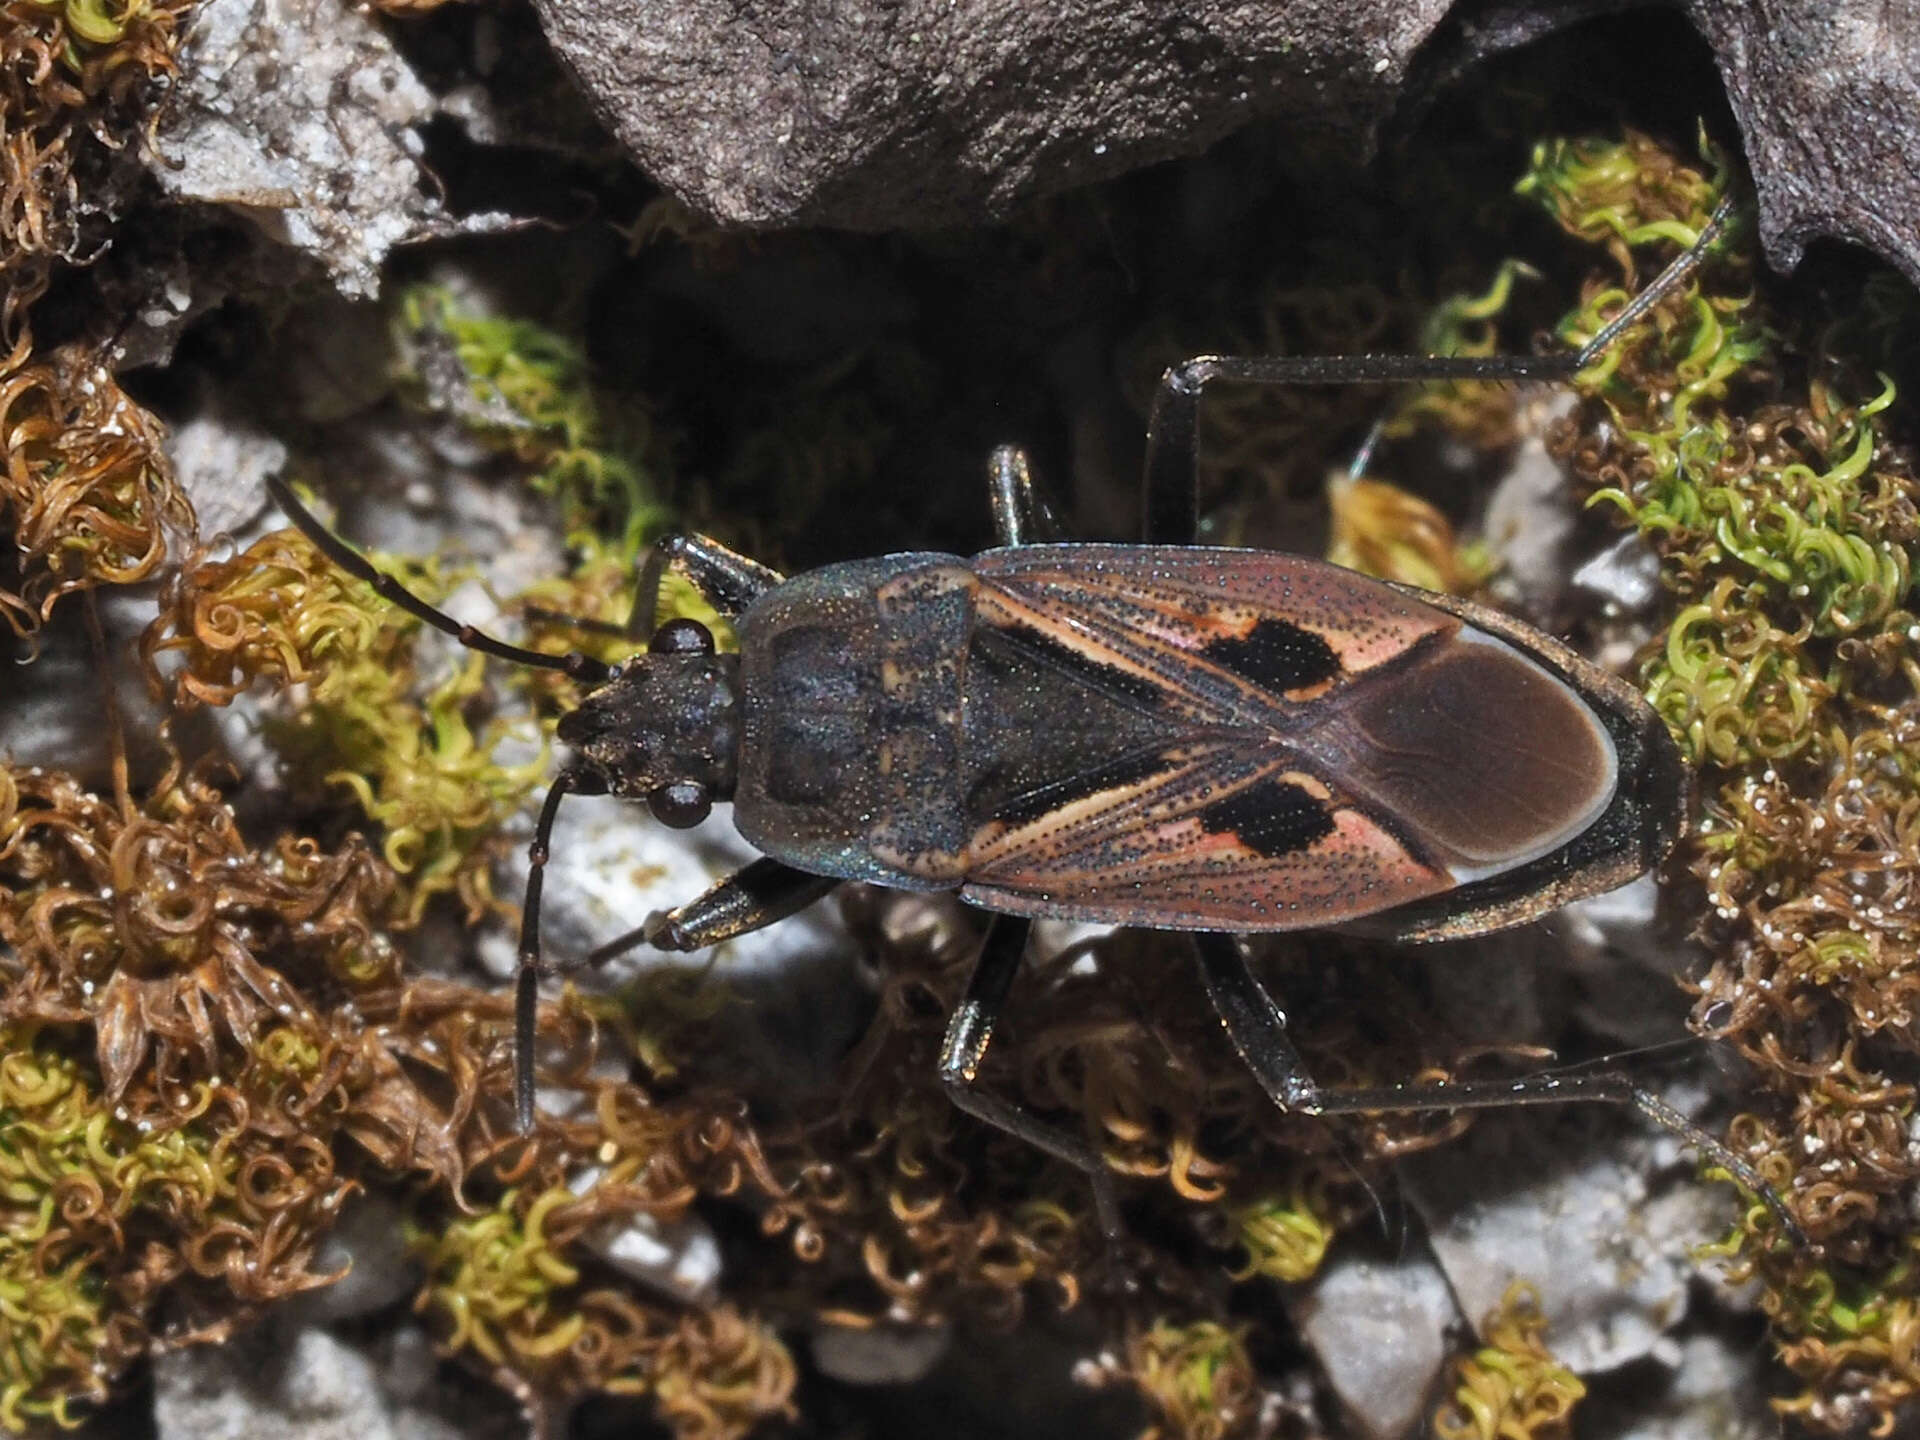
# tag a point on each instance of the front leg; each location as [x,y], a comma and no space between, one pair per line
[755,896]
[1021,515]
[725,579]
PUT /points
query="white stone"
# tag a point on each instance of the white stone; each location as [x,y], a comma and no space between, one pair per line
[1562,1199]
[879,1354]
[301,1384]
[679,1259]
[367,1248]
[262,124]
[1380,1329]
[222,463]
[1626,574]
[613,865]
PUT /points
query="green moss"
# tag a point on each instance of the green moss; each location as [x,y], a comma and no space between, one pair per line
[1197,1378]
[73,1178]
[1285,1239]
[1784,516]
[1511,1388]
[423,760]
[533,398]
[497,1284]
[420,768]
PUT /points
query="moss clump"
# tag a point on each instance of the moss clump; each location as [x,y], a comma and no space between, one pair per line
[410,751]
[509,1287]
[1197,1379]
[1759,461]
[71,1176]
[1475,413]
[494,1279]
[1284,1239]
[198,1026]
[77,81]
[525,390]
[86,490]
[1511,1388]
[1380,529]
[129,1168]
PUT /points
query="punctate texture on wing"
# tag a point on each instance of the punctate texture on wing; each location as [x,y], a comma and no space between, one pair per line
[1305,746]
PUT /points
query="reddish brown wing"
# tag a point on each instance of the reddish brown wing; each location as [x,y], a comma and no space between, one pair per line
[1233,637]
[1222,834]
[1233,824]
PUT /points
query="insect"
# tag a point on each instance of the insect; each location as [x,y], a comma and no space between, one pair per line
[1164,735]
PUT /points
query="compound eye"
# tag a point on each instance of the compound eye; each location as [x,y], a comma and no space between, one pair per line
[682,804]
[681,637]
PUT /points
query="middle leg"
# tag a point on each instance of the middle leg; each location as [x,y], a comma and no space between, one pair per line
[970,1032]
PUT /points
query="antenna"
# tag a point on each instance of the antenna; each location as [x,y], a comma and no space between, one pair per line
[573,664]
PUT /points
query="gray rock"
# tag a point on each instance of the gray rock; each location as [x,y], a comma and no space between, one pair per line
[1625,575]
[614,864]
[884,113]
[798,1004]
[1714,1389]
[294,115]
[298,1385]
[1565,1203]
[880,1354]
[1627,954]
[223,462]
[1530,516]
[1827,93]
[53,719]
[927,112]
[676,1258]
[368,1250]
[1381,1331]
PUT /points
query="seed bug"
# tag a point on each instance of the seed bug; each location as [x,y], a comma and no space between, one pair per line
[1164,735]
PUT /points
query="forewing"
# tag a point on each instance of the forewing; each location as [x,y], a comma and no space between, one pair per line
[1217,637]
[1227,833]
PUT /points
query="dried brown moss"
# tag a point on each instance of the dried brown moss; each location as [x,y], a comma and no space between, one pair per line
[78,80]
[87,491]
[169,1098]
[1757,458]
[192,1029]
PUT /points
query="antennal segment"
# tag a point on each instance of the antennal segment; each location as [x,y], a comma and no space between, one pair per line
[574,665]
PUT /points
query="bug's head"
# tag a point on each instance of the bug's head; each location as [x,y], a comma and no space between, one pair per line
[665,727]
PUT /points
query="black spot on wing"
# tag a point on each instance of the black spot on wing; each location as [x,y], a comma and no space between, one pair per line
[1277,656]
[1114,775]
[1270,818]
[1087,669]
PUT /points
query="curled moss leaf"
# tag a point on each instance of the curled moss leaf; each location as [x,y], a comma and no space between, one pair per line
[1284,1240]
[1785,516]
[528,393]
[1511,1388]
[86,489]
